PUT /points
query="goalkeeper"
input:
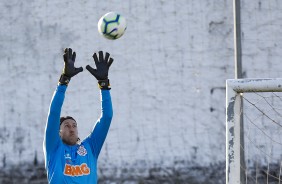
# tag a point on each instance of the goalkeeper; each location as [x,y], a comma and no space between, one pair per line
[67,159]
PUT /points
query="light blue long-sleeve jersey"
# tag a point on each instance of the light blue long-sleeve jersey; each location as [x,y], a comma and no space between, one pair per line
[74,164]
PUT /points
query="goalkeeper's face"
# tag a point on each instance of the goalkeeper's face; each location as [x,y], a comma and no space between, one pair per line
[68,132]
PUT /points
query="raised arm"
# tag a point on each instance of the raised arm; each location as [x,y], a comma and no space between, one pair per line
[100,130]
[52,138]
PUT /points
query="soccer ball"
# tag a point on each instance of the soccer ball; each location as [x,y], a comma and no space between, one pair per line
[112,25]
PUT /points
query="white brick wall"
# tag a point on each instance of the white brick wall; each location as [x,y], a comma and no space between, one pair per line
[173,55]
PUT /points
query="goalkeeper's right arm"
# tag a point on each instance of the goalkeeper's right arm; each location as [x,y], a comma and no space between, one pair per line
[52,138]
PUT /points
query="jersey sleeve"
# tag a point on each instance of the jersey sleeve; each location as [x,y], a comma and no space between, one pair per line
[101,127]
[52,138]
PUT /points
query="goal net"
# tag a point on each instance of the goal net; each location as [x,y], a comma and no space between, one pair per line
[253,131]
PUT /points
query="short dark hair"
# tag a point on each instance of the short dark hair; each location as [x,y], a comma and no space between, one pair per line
[65,118]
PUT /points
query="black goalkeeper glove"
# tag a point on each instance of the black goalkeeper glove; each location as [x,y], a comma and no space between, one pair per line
[69,70]
[102,69]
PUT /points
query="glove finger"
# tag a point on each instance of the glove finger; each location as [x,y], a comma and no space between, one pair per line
[91,70]
[110,62]
[107,55]
[65,55]
[96,60]
[73,56]
[78,70]
[69,53]
[101,58]
[95,57]
[65,58]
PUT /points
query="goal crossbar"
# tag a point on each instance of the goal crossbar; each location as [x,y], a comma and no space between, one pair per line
[234,90]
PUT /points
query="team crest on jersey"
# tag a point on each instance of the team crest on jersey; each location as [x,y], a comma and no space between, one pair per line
[81,150]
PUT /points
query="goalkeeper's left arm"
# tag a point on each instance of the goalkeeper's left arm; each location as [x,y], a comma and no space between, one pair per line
[100,130]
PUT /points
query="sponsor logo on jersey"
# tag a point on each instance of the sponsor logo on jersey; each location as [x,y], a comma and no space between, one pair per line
[76,170]
[81,150]
[68,158]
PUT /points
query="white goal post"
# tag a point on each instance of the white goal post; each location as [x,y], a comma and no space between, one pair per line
[234,90]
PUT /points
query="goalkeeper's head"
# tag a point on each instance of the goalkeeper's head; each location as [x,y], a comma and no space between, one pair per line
[68,130]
